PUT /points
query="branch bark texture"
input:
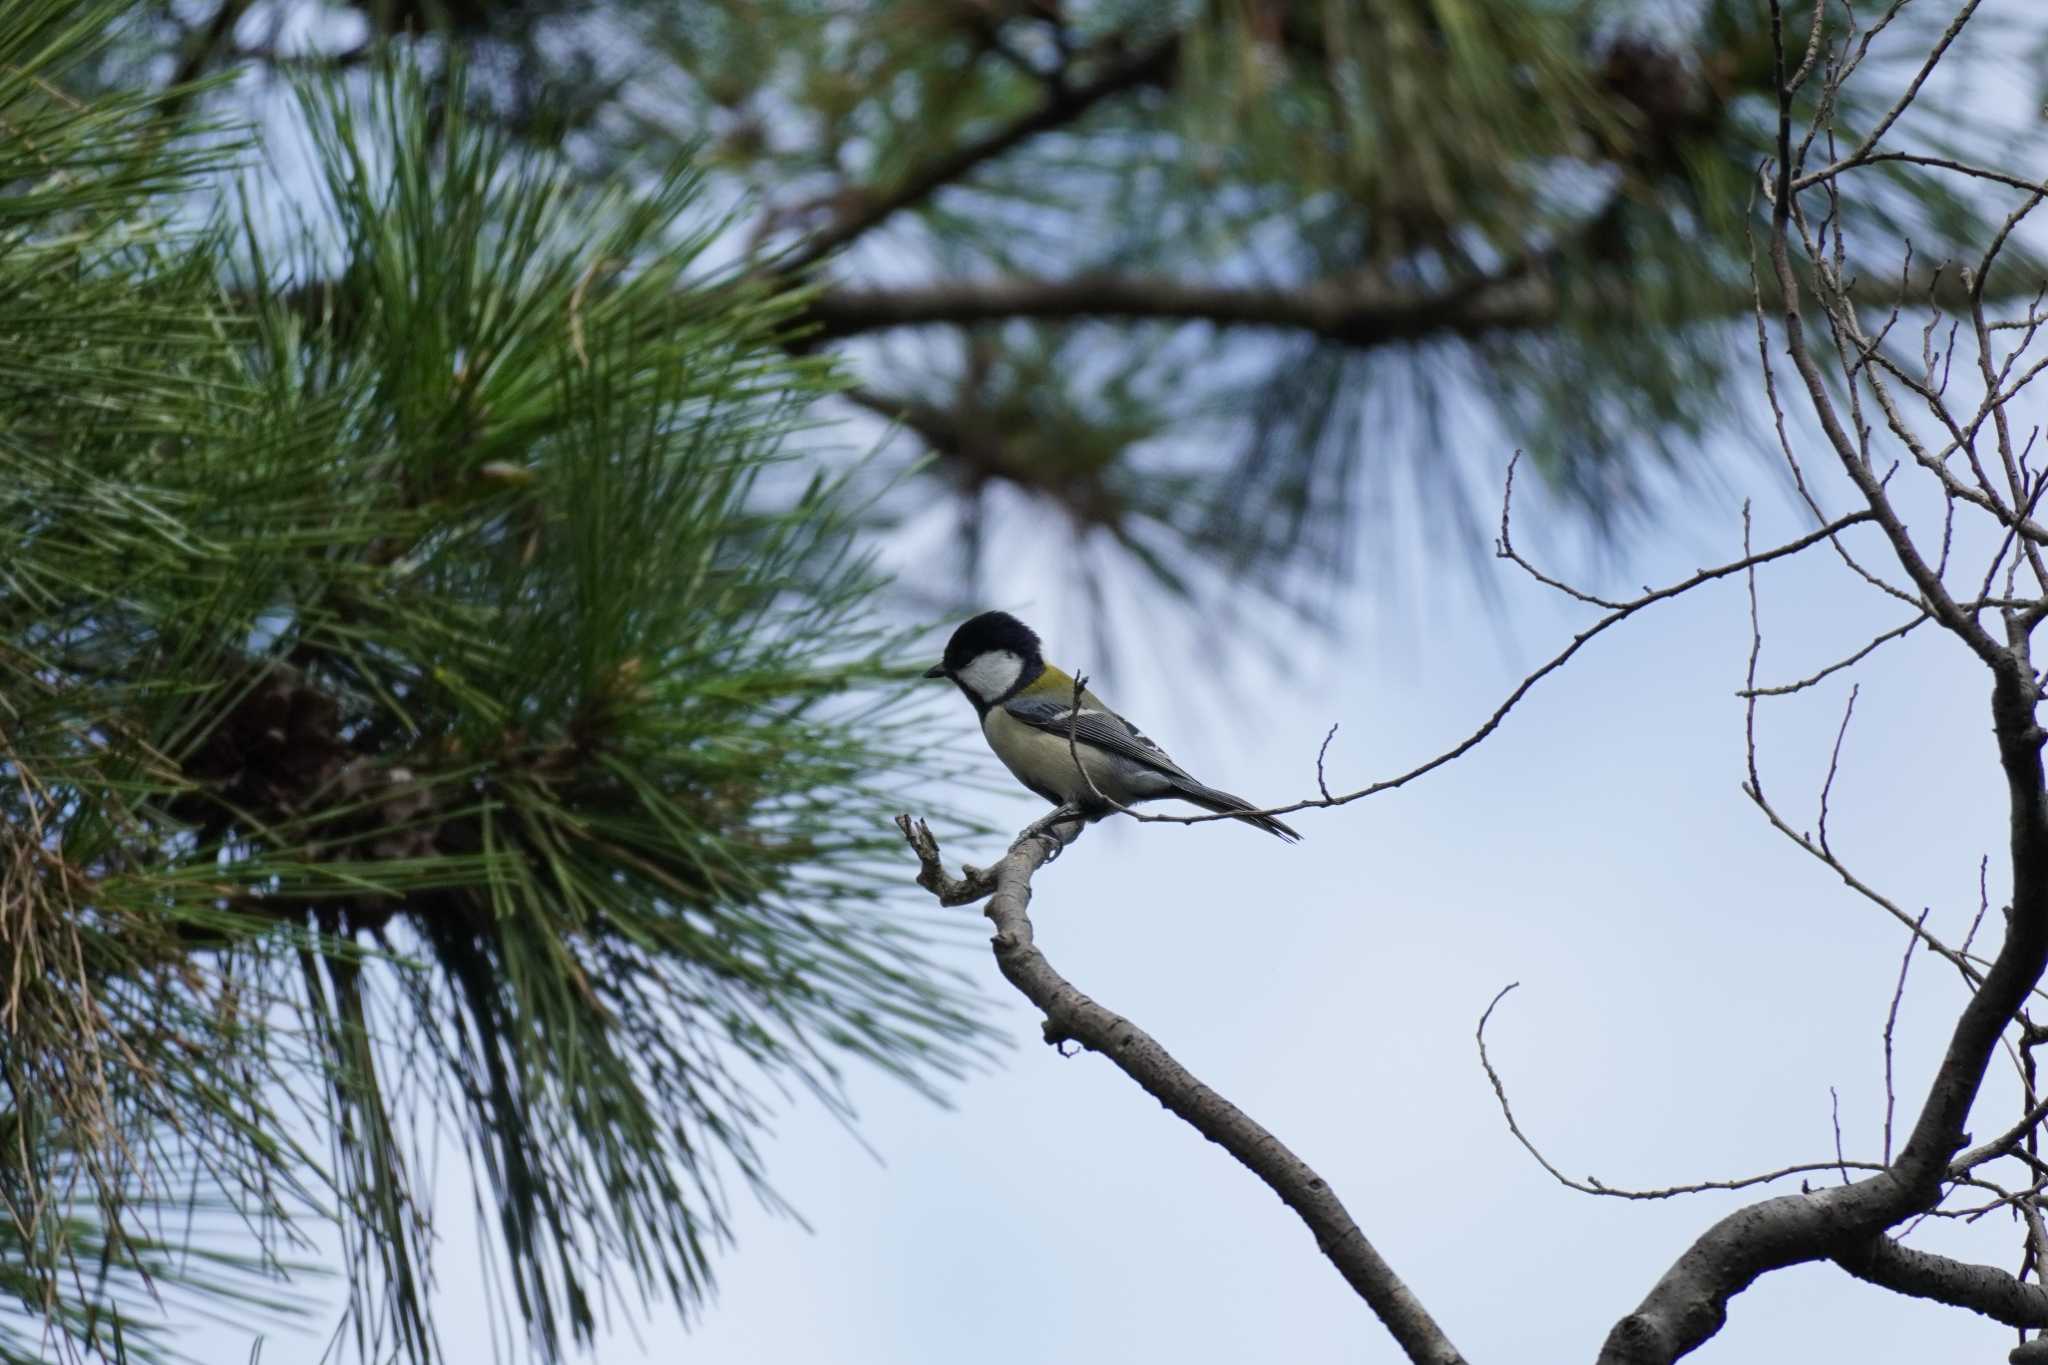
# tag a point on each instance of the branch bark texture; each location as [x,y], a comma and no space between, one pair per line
[1071,1015]
[1925,1275]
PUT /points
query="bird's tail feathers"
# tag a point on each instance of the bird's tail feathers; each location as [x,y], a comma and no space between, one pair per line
[1223,803]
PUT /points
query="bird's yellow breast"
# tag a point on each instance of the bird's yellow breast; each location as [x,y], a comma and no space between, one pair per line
[1044,761]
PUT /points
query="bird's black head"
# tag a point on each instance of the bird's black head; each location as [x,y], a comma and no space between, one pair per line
[990,656]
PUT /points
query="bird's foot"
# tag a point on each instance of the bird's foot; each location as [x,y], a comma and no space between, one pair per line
[1050,825]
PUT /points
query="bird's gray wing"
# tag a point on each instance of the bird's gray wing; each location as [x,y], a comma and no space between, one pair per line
[1107,732]
[1104,730]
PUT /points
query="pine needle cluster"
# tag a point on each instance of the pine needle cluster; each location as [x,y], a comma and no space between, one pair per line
[435,711]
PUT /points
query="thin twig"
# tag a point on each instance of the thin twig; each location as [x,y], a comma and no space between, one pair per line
[1983,900]
[1891,1020]
[1756,648]
[1835,1117]
[1786,689]
[1863,149]
[1593,1185]
[1500,713]
[1074,746]
[1504,548]
[1827,786]
[1322,783]
[1962,963]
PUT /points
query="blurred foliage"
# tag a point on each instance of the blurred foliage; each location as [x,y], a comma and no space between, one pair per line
[1540,207]
[437,711]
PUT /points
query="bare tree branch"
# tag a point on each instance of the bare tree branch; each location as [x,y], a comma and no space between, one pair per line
[1898,632]
[1891,1020]
[1864,148]
[1689,1303]
[1934,163]
[2002,1145]
[1073,1016]
[1924,1275]
[1353,311]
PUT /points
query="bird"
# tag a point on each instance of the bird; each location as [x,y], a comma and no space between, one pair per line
[1028,716]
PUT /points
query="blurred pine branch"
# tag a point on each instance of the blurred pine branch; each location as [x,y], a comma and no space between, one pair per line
[1313,266]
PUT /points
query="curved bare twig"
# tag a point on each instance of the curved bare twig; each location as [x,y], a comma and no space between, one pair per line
[1072,1016]
[1591,1185]
[1621,612]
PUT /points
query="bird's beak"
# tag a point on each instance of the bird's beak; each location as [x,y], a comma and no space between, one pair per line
[936,671]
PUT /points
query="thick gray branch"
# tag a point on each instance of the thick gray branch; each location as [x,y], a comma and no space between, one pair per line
[1924,1275]
[1073,1016]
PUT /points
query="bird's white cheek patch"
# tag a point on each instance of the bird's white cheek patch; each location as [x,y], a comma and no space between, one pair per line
[992,674]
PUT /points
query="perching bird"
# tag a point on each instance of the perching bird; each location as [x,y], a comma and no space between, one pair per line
[1027,715]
